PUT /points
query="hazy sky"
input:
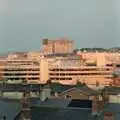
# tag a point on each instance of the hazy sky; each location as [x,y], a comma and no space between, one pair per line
[91,23]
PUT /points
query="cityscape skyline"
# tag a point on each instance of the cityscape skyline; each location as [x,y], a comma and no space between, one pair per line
[23,25]
[59,59]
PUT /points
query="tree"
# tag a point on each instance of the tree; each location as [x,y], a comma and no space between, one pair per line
[79,84]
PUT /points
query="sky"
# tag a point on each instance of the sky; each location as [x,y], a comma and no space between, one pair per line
[90,23]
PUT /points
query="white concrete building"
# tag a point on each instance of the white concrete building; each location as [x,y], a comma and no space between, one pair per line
[18,70]
[71,71]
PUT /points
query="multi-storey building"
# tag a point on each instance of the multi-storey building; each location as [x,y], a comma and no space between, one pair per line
[35,55]
[66,70]
[57,46]
[2,64]
[19,70]
[102,58]
[69,72]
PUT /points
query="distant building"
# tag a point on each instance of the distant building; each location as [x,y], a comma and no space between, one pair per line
[35,67]
[69,71]
[57,46]
[100,58]
[2,64]
[35,55]
[28,70]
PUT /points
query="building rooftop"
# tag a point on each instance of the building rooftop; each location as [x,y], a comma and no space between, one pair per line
[42,113]
[55,110]
[59,103]
[83,89]
[9,109]
[112,90]
[59,88]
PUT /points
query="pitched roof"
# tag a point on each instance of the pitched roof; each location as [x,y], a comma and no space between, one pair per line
[9,109]
[84,90]
[52,103]
[42,113]
[60,88]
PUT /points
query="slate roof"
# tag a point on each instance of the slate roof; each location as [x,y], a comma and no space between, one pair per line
[58,109]
[56,113]
[9,109]
[113,90]
[52,103]
[42,113]
[84,89]
[60,88]
[64,103]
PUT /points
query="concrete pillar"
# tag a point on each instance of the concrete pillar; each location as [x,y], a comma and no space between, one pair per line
[101,59]
[44,71]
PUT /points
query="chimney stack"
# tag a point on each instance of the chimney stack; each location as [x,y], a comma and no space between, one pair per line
[97,105]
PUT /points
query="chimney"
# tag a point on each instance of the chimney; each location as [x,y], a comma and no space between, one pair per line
[108,116]
[97,105]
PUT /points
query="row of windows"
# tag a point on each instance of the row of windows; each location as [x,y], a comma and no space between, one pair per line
[84,69]
[20,74]
[35,78]
[69,74]
[52,78]
[21,69]
[20,62]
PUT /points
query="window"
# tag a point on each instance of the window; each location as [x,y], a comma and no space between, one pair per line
[68,96]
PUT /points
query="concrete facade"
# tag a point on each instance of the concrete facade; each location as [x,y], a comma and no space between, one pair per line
[69,72]
[57,46]
[100,58]
[34,67]
[19,70]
